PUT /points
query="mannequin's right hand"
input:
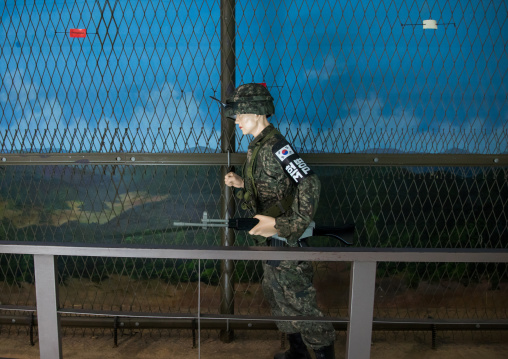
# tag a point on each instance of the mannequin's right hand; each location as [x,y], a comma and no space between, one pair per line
[232,179]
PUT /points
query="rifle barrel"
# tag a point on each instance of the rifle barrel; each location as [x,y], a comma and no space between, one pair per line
[213,225]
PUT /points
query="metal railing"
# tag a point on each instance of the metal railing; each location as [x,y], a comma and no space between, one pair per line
[361,294]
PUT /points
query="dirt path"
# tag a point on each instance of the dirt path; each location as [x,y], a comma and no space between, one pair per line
[248,345]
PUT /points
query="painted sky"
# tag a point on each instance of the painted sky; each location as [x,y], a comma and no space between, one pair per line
[347,76]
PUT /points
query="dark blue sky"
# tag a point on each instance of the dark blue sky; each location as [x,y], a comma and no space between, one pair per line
[345,74]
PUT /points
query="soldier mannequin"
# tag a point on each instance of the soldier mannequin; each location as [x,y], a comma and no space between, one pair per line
[252,124]
[283,192]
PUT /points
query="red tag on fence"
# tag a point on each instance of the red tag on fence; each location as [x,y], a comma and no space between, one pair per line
[77,33]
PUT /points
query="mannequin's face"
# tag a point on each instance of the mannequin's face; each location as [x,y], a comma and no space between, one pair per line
[250,124]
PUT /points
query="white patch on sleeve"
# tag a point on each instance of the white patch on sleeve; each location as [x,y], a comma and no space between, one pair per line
[294,172]
[284,152]
[302,165]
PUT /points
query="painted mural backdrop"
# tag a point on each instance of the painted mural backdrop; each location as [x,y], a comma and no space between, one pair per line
[348,76]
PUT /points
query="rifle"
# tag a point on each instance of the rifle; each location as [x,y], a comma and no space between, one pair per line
[343,233]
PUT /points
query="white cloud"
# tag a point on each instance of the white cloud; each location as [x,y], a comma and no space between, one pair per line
[327,70]
[366,128]
[17,89]
[166,120]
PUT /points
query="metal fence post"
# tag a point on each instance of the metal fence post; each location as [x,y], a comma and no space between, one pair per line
[361,310]
[227,146]
[48,321]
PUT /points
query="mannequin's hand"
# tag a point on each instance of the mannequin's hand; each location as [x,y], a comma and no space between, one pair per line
[232,179]
[265,227]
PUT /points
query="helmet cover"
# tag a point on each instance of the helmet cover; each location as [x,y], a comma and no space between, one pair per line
[250,99]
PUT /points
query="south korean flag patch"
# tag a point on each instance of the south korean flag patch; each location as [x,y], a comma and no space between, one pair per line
[293,165]
[284,152]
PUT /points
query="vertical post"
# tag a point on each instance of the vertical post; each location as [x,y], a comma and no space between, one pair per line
[228,61]
[361,310]
[46,290]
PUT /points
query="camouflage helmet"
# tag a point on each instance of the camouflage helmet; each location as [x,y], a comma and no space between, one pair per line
[250,98]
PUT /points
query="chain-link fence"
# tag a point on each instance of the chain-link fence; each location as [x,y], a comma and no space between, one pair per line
[349,77]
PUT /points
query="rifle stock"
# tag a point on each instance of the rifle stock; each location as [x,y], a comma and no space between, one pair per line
[343,233]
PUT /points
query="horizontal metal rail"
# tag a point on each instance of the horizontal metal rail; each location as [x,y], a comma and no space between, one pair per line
[362,286]
[128,320]
[216,159]
[443,255]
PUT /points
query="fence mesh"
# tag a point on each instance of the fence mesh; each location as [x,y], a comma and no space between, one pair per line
[391,207]
[347,77]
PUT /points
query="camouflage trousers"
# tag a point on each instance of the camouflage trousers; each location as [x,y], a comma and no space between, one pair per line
[290,292]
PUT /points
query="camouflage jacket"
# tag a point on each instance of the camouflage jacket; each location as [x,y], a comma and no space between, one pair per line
[273,184]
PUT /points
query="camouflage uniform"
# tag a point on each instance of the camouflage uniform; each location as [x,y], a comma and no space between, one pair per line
[288,286]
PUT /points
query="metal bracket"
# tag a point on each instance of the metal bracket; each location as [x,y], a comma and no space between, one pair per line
[194,327]
[115,332]
[32,325]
